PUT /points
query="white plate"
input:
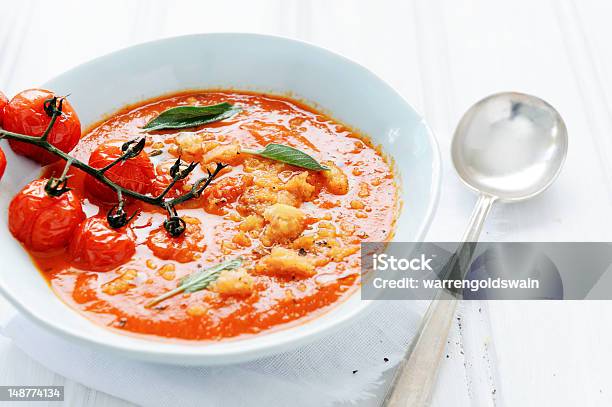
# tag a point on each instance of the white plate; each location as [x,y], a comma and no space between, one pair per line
[346,90]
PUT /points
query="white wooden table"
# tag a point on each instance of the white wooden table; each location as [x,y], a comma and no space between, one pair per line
[443,55]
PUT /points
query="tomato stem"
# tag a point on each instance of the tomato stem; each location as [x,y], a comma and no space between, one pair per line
[66,168]
[130,150]
[54,111]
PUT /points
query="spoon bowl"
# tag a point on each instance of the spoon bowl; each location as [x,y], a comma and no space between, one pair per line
[510,146]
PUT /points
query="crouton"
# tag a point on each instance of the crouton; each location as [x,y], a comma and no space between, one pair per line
[259,197]
[304,242]
[233,282]
[336,181]
[225,153]
[167,271]
[241,239]
[284,224]
[190,144]
[252,164]
[255,200]
[252,222]
[338,254]
[287,198]
[285,262]
[299,186]
[195,310]
[355,204]
[364,190]
[120,284]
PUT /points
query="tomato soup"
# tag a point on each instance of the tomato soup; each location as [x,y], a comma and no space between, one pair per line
[297,230]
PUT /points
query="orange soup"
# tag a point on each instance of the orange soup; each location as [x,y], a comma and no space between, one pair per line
[298,231]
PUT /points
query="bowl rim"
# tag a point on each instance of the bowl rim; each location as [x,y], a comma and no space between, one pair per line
[209,355]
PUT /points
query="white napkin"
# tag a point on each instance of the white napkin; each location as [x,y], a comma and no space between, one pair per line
[343,367]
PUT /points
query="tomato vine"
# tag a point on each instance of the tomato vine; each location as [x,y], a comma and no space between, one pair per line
[116,216]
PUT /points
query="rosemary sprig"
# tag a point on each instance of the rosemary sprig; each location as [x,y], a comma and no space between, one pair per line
[198,280]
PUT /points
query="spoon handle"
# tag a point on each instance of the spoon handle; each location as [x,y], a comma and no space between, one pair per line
[415,378]
[481,210]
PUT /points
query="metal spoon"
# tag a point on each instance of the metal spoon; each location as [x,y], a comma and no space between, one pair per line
[507,147]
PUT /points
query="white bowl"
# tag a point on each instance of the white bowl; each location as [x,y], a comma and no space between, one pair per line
[344,89]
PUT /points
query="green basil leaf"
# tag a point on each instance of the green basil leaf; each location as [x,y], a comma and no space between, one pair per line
[182,117]
[289,155]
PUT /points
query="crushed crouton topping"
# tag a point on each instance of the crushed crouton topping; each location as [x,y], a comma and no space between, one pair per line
[286,262]
[284,224]
[233,282]
[336,181]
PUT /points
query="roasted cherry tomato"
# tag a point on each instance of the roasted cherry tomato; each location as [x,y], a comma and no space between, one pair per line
[2,163]
[26,114]
[185,248]
[136,174]
[97,247]
[3,102]
[42,222]
[163,179]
